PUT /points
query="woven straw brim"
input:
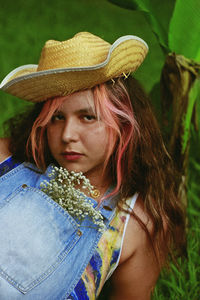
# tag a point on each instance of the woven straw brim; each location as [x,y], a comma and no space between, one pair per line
[31,85]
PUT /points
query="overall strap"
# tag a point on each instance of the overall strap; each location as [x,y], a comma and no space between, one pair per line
[7,165]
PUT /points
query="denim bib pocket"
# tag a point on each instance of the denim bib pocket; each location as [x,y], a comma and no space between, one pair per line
[36,235]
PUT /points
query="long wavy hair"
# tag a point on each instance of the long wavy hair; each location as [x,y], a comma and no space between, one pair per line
[138,162]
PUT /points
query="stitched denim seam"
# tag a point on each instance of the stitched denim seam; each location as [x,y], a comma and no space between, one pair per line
[22,167]
[12,172]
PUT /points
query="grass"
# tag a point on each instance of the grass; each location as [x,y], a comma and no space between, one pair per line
[184,283]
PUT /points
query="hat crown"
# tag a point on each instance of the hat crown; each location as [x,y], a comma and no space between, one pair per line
[84,49]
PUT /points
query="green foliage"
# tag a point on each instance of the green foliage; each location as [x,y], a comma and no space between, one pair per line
[158,14]
[184,30]
[194,94]
[129,4]
[175,23]
[184,283]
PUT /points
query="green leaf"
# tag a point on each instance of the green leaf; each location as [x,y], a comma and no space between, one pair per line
[128,4]
[184,29]
[193,94]
[158,14]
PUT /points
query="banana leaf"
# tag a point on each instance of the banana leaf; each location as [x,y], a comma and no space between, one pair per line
[184,29]
[158,14]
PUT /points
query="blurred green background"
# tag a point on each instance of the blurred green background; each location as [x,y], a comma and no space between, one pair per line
[25,25]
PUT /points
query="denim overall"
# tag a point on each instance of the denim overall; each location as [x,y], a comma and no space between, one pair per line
[43,250]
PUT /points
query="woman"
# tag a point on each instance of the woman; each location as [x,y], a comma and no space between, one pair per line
[90,117]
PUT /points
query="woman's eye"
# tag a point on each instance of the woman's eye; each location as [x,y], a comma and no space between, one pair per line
[57,117]
[89,118]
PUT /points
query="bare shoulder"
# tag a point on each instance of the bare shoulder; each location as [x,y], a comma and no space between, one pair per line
[135,236]
[4,148]
[138,270]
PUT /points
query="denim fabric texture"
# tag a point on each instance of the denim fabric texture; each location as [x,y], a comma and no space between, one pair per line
[43,249]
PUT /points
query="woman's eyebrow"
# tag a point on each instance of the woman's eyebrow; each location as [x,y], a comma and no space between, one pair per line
[86,110]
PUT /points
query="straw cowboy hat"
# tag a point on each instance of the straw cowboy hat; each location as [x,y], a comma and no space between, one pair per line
[75,64]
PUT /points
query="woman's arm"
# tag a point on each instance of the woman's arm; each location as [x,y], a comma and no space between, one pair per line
[136,276]
[4,149]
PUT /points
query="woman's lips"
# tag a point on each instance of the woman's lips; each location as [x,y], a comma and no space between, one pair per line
[72,155]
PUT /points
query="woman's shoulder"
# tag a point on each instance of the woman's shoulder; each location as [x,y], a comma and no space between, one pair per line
[136,236]
[4,149]
[138,262]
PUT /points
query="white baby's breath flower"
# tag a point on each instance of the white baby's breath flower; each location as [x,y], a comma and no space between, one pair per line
[62,188]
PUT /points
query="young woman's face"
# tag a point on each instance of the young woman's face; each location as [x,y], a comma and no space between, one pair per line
[77,140]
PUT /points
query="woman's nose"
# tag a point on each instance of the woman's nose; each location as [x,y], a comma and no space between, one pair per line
[70,132]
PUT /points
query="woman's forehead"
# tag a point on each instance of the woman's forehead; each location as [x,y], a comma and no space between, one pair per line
[80,101]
